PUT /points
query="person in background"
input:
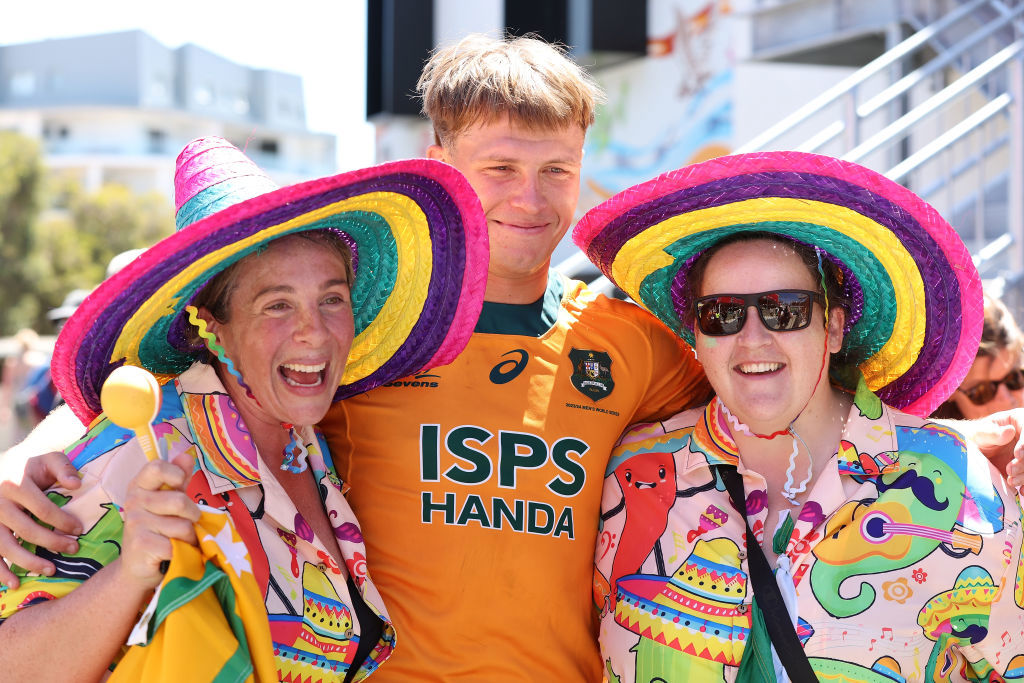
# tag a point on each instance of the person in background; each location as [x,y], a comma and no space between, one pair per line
[995,381]
[27,359]
[832,310]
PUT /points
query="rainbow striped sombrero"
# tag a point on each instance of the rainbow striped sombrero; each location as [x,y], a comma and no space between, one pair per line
[415,228]
[915,297]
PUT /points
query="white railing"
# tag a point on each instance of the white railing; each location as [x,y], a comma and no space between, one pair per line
[951,128]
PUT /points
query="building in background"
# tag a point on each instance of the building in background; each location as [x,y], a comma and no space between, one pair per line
[118,107]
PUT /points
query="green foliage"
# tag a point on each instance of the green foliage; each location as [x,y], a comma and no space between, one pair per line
[21,172]
[46,254]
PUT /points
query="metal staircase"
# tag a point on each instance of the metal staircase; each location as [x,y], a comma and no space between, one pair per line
[940,112]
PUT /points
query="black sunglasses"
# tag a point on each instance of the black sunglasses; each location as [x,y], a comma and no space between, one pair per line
[781,310]
[983,392]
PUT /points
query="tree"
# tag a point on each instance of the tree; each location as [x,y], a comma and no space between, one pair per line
[21,172]
[74,248]
[44,254]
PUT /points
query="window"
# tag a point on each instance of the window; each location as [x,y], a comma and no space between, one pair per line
[23,84]
[268,146]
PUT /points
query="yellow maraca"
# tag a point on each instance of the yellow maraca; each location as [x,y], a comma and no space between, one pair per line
[131,399]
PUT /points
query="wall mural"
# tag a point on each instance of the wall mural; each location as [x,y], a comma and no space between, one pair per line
[669,110]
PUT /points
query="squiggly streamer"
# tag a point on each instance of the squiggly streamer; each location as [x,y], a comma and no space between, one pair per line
[294,453]
[216,349]
[821,281]
[788,492]
[734,421]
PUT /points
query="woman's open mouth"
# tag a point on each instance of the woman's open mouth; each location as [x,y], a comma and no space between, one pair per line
[304,376]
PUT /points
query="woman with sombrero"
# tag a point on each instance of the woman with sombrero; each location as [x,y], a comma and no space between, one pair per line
[810,521]
[261,310]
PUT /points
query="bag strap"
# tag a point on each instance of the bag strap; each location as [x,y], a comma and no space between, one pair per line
[766,590]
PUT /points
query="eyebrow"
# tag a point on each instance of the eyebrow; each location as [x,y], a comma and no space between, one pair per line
[506,159]
[286,289]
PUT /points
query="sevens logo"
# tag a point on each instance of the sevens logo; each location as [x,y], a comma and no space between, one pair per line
[508,370]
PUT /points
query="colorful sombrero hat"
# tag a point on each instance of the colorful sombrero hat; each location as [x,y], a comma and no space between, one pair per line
[419,243]
[697,610]
[914,294]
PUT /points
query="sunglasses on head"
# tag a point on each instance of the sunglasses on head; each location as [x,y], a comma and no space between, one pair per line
[781,310]
[982,393]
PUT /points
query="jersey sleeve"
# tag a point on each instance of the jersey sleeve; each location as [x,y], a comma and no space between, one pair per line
[677,380]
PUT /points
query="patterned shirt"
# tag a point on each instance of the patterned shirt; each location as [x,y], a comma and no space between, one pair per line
[905,558]
[312,616]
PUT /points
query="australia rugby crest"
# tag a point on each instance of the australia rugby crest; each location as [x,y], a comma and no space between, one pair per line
[591,373]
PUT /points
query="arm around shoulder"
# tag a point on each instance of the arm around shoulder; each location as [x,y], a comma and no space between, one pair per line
[76,637]
[677,377]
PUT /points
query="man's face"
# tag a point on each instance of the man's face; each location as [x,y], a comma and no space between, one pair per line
[528,182]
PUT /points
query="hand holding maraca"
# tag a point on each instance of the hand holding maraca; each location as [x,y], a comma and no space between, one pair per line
[156,509]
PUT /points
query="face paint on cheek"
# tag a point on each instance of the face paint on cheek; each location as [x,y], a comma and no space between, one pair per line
[711,342]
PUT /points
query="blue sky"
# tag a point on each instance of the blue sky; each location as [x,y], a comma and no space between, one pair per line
[323,41]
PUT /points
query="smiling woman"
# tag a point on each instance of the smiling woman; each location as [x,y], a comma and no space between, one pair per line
[265,306]
[768,535]
[995,380]
[285,318]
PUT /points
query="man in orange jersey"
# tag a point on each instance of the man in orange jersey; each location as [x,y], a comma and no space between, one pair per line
[480,481]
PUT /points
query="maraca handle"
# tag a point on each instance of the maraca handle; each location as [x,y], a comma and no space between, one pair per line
[147,441]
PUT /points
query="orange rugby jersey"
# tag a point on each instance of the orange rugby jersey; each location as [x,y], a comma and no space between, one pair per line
[478,488]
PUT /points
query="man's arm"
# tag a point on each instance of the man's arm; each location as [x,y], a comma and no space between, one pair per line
[24,475]
[22,502]
[1000,437]
[57,431]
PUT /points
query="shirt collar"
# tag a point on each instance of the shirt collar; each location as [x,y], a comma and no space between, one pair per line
[712,442]
[226,452]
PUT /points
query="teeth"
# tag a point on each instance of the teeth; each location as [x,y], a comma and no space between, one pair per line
[755,368]
[304,368]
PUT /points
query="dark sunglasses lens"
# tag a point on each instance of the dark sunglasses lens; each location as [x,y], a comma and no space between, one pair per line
[782,311]
[981,394]
[719,316]
[1014,381]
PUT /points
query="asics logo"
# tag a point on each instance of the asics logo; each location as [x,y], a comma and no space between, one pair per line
[508,370]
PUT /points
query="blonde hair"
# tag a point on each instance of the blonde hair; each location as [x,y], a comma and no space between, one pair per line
[482,78]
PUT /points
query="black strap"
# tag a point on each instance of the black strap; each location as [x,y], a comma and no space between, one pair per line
[766,590]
